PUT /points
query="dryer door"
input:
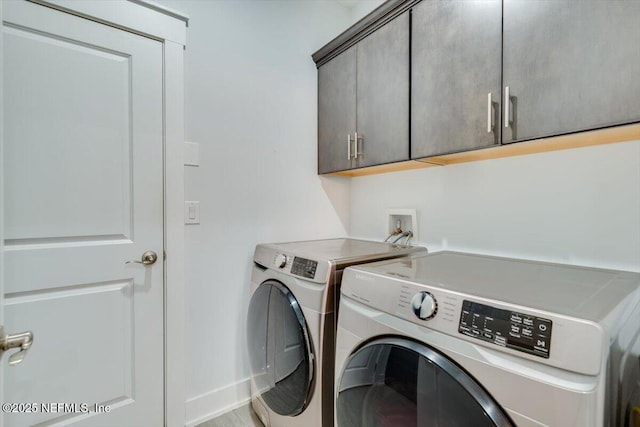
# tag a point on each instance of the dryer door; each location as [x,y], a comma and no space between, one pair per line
[395,382]
[280,351]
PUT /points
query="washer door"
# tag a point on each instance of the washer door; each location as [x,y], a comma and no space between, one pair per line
[395,382]
[280,352]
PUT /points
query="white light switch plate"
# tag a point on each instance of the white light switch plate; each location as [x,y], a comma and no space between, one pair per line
[191,154]
[191,212]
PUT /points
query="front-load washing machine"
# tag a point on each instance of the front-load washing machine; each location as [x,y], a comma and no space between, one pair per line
[291,325]
[454,339]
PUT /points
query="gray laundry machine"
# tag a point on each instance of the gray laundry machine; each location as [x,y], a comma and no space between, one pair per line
[291,325]
[459,339]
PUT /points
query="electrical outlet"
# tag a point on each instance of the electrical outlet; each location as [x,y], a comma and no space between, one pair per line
[406,220]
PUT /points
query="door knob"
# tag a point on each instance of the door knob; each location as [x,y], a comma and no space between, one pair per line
[148,258]
[22,341]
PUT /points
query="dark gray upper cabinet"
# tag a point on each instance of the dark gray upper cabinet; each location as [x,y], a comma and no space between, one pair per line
[383,95]
[418,79]
[455,76]
[570,66]
[336,112]
[363,101]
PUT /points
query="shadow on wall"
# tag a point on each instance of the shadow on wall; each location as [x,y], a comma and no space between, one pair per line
[338,191]
[242,358]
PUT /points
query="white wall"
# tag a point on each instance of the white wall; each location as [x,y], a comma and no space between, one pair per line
[251,105]
[578,206]
[361,8]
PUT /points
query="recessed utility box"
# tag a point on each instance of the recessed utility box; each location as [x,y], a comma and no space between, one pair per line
[406,219]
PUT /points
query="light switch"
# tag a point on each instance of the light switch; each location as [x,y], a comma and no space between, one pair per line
[191,212]
[191,154]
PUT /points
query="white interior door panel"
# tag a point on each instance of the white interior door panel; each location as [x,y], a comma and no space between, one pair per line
[83,187]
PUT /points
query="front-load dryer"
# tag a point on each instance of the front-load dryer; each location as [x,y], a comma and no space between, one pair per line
[291,325]
[454,339]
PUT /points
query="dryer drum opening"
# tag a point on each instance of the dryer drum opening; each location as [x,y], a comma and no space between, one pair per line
[395,382]
[280,353]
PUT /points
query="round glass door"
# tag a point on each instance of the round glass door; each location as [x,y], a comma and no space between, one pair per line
[399,383]
[280,353]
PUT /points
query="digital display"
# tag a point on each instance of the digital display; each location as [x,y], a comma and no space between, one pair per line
[304,267]
[506,328]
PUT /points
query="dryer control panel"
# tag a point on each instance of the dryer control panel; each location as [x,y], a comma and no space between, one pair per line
[506,328]
[304,267]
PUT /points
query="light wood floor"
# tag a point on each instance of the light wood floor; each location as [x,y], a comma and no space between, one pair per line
[241,417]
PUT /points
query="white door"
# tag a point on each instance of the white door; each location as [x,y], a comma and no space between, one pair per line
[83,185]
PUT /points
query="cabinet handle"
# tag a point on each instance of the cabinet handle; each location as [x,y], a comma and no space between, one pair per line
[507,102]
[355,145]
[349,146]
[489,114]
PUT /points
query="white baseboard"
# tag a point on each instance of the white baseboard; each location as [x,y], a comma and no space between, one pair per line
[214,403]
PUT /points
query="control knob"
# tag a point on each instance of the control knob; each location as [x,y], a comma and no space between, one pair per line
[424,305]
[280,261]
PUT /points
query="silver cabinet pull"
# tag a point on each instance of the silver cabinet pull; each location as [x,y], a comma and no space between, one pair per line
[148,258]
[21,341]
[355,145]
[489,114]
[507,102]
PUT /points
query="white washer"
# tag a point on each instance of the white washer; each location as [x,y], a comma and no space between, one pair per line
[291,325]
[454,339]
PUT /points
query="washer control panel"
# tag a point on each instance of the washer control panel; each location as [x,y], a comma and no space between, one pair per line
[304,267]
[511,329]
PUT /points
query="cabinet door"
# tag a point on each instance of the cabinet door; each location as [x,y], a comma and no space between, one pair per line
[383,94]
[570,65]
[456,64]
[336,111]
